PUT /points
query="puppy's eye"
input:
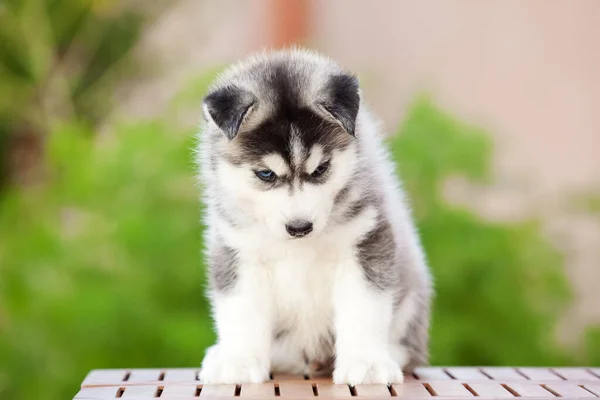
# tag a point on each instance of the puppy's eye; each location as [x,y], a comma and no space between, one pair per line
[321,169]
[266,175]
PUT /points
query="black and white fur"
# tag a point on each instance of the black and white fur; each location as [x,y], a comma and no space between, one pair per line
[319,268]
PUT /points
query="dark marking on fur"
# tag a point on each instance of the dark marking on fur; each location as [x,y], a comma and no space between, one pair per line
[291,121]
[416,339]
[355,209]
[343,100]
[377,256]
[228,107]
[342,195]
[223,268]
[280,333]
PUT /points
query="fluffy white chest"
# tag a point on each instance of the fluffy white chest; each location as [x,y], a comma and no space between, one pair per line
[300,283]
[297,278]
[300,286]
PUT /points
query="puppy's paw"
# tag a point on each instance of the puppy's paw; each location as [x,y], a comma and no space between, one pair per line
[219,368]
[367,370]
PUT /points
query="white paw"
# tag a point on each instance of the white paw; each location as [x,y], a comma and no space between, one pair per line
[367,370]
[220,368]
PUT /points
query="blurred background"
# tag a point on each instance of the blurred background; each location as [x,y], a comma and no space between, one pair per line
[493,114]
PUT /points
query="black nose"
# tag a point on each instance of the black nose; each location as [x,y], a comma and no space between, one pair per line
[299,228]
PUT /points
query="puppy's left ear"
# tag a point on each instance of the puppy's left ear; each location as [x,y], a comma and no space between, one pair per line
[342,100]
[227,107]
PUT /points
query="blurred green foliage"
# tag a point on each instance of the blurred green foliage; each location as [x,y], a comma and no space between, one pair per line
[100,265]
[59,60]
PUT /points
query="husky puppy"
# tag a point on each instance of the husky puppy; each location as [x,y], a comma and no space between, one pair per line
[314,263]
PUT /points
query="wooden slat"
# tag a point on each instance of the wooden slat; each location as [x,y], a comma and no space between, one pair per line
[104,376]
[575,374]
[97,393]
[491,389]
[264,390]
[332,390]
[466,374]
[593,387]
[503,374]
[295,389]
[217,391]
[450,389]
[411,390]
[530,390]
[139,391]
[372,391]
[144,375]
[179,391]
[569,390]
[431,374]
[180,375]
[540,374]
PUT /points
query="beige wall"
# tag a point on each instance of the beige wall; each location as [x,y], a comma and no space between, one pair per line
[529,71]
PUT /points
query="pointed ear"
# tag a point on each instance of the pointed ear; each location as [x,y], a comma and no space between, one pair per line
[228,107]
[342,100]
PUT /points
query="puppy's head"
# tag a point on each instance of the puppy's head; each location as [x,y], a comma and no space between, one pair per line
[281,130]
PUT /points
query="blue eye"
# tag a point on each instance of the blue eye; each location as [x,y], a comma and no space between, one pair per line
[266,175]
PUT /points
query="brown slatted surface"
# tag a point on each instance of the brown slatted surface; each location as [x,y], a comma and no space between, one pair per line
[427,383]
[569,390]
[490,389]
[529,390]
[594,388]
[180,375]
[109,392]
[105,376]
[135,392]
[450,389]
[296,389]
[430,373]
[540,374]
[411,390]
[145,375]
[575,374]
[215,391]
[179,391]
[258,391]
[371,391]
[466,374]
[327,390]
[503,374]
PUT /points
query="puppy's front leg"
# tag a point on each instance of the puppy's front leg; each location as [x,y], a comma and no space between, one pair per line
[243,320]
[363,316]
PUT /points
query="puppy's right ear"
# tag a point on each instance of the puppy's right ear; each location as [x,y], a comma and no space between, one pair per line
[227,107]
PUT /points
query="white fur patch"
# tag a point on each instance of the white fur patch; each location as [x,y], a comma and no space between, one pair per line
[297,147]
[276,164]
[314,159]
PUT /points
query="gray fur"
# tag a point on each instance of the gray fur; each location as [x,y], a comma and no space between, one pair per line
[377,256]
[223,266]
[416,339]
